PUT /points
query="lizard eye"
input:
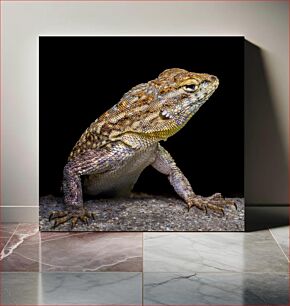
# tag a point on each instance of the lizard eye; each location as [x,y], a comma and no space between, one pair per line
[190,88]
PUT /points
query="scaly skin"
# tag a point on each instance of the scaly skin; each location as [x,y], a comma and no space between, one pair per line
[117,147]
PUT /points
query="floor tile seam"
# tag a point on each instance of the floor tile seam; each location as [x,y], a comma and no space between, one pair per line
[69,272]
[274,238]
[10,238]
[156,272]
[143,273]
[218,273]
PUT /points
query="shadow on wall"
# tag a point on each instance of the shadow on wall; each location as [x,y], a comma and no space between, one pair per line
[266,170]
[260,218]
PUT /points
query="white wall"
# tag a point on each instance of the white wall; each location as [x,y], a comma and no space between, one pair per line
[265,24]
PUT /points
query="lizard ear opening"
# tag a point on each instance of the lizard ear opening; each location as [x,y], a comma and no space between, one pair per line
[165,114]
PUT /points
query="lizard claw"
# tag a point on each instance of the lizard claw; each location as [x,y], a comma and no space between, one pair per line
[84,219]
[74,222]
[61,217]
[215,202]
[57,214]
[236,206]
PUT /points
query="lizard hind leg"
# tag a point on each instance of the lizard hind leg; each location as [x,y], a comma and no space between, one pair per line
[73,198]
[89,162]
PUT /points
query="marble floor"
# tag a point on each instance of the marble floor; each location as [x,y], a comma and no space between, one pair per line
[60,268]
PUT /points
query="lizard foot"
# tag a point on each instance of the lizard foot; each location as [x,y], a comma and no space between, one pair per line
[215,202]
[74,215]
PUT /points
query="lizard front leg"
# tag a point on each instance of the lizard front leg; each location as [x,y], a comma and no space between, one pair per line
[91,161]
[165,164]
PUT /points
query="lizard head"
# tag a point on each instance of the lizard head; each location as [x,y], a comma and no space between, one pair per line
[180,95]
[158,109]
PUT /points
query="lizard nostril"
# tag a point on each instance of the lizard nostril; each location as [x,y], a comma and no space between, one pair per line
[213,78]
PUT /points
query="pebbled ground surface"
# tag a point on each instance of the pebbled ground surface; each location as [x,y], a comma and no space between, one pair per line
[145,213]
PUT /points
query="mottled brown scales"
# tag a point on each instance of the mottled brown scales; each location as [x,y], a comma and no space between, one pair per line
[112,153]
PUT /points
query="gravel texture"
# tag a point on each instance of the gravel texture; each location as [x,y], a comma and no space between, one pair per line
[145,213]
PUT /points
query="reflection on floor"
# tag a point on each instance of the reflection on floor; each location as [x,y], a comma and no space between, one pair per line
[143,269]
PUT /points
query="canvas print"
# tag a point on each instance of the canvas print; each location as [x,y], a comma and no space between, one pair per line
[141,133]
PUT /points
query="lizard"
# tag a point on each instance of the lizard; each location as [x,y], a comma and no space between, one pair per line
[114,150]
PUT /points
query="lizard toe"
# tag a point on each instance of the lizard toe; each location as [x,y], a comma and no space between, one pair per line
[61,220]
[74,221]
[57,214]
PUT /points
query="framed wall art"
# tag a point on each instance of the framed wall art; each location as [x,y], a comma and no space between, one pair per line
[141,133]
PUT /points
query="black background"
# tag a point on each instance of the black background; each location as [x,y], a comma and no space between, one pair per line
[82,77]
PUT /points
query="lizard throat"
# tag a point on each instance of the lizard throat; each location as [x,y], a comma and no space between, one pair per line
[163,134]
[173,126]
